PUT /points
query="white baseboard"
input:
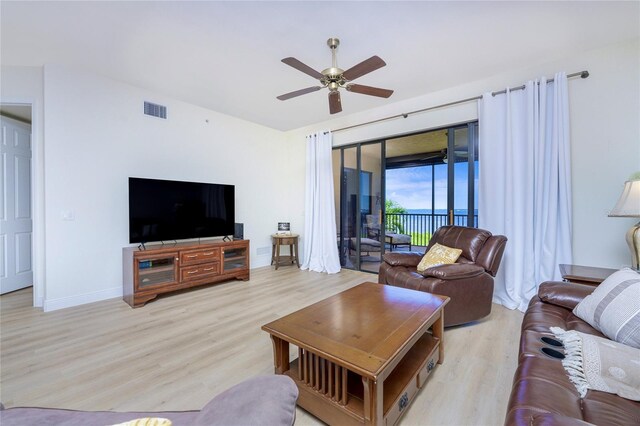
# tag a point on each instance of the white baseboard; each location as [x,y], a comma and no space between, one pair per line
[260,261]
[110,293]
[81,299]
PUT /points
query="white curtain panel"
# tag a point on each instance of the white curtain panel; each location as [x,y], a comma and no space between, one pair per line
[320,247]
[525,184]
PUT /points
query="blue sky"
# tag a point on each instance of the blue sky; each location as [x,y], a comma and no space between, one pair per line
[411,187]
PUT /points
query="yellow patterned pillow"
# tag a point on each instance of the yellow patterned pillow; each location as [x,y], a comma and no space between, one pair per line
[147,421]
[438,255]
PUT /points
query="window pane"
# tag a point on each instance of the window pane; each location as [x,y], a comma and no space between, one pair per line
[460,156]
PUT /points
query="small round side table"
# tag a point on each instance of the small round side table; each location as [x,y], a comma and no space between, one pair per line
[290,240]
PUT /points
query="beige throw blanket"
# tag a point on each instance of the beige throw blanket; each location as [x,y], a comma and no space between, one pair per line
[600,364]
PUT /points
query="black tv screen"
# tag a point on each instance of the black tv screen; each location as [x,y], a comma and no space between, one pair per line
[164,210]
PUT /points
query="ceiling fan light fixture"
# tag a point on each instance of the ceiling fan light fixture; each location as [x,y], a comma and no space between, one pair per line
[333,72]
[334,78]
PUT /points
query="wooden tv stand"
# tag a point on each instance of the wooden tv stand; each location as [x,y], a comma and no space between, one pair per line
[165,268]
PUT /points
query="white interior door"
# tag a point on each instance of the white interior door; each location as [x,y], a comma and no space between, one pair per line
[16,269]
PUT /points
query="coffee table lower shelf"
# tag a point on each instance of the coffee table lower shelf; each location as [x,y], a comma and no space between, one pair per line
[336,394]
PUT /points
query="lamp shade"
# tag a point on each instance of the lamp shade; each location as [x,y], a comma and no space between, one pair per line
[628,204]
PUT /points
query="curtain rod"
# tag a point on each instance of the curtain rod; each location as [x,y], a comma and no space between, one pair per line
[581,74]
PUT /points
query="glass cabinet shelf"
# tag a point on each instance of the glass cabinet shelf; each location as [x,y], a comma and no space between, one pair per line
[235,258]
[156,271]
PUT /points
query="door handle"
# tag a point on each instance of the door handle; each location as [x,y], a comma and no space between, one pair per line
[430,365]
[451,217]
[403,402]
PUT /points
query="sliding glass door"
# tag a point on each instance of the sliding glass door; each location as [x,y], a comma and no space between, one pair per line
[358,185]
[393,195]
[430,181]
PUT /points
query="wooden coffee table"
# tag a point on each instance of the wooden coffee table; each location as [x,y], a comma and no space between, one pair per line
[363,354]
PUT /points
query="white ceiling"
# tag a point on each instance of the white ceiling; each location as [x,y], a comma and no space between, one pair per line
[225,56]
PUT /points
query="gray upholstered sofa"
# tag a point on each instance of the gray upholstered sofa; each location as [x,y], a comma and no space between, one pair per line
[264,400]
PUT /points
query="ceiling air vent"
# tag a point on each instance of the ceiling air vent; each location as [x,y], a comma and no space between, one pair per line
[155,110]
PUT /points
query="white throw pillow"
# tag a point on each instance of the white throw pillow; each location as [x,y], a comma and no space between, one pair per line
[614,307]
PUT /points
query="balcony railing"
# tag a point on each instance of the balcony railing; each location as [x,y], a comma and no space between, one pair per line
[422,226]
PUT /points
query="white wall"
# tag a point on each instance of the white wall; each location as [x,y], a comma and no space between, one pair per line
[605,143]
[24,85]
[605,140]
[97,136]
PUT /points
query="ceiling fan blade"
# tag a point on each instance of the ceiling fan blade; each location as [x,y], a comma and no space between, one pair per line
[293,62]
[335,105]
[368,90]
[299,92]
[364,67]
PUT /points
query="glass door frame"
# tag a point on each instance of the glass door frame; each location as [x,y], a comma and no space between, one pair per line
[472,148]
[342,226]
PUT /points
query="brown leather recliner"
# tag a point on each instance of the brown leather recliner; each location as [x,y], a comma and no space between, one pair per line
[468,282]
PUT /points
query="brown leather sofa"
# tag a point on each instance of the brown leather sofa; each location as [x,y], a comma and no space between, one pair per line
[542,393]
[468,282]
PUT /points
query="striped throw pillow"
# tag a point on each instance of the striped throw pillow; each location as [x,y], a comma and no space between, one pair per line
[614,307]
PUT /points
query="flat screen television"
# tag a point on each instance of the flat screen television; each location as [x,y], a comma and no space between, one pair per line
[165,210]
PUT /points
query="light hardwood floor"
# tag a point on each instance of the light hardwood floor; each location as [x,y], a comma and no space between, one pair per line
[179,351]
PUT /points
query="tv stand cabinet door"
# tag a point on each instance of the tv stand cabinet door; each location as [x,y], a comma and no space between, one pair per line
[235,258]
[154,272]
